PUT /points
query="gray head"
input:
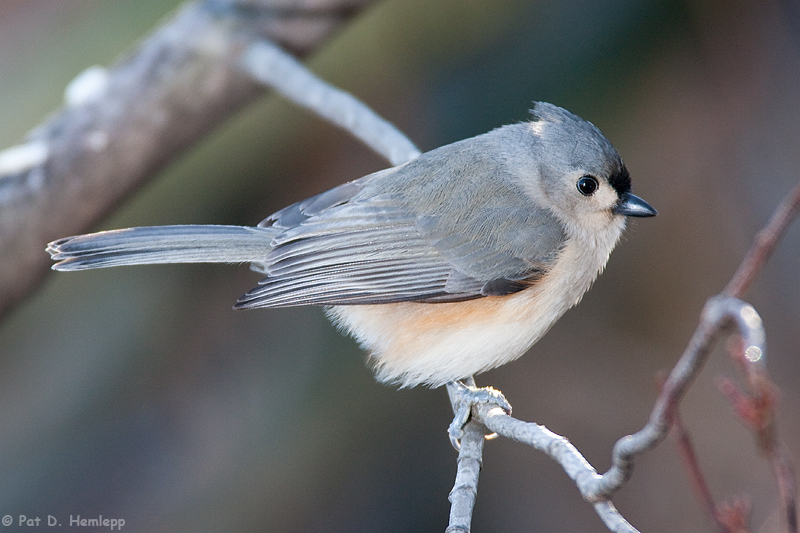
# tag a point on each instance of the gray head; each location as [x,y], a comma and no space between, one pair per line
[582,177]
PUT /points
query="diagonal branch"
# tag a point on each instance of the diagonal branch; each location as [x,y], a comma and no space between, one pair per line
[764,244]
[718,312]
[119,127]
[273,67]
[558,448]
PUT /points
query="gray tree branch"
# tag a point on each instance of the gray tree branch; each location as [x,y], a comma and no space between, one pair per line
[119,127]
[465,489]
[273,67]
[598,489]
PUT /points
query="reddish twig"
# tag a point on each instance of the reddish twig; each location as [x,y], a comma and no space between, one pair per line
[691,465]
[757,410]
[734,515]
[787,487]
[728,517]
[764,244]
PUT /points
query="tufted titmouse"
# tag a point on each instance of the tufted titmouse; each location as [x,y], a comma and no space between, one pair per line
[443,267]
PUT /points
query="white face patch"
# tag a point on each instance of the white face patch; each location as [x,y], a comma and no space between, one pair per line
[582,212]
[602,200]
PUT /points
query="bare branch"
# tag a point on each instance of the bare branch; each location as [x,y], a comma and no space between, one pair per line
[612,518]
[758,409]
[717,313]
[596,488]
[470,460]
[275,68]
[178,85]
[764,244]
[728,519]
[787,486]
[561,450]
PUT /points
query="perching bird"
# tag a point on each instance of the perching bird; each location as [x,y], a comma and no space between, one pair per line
[443,267]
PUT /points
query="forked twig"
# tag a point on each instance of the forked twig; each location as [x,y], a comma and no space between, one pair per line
[730,517]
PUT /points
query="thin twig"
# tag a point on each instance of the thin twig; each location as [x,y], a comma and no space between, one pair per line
[560,449]
[757,377]
[696,477]
[787,485]
[465,491]
[764,244]
[612,518]
[692,465]
[470,460]
[758,410]
[718,312]
[275,68]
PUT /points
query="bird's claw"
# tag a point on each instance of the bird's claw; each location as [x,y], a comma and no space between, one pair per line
[464,397]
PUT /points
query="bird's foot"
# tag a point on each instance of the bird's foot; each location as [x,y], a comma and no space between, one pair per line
[464,397]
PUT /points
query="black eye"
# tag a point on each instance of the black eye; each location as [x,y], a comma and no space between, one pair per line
[587,185]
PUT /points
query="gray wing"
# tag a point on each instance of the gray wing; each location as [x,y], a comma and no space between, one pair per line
[375,240]
[350,252]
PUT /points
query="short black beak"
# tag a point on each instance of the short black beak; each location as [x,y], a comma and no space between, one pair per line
[630,205]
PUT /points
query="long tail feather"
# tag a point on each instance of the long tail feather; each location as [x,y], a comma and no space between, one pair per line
[162,244]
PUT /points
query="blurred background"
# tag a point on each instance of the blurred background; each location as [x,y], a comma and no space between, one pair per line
[137,393]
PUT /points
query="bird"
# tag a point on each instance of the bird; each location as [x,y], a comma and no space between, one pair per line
[443,267]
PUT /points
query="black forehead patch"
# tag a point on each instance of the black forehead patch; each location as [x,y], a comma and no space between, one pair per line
[620,180]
